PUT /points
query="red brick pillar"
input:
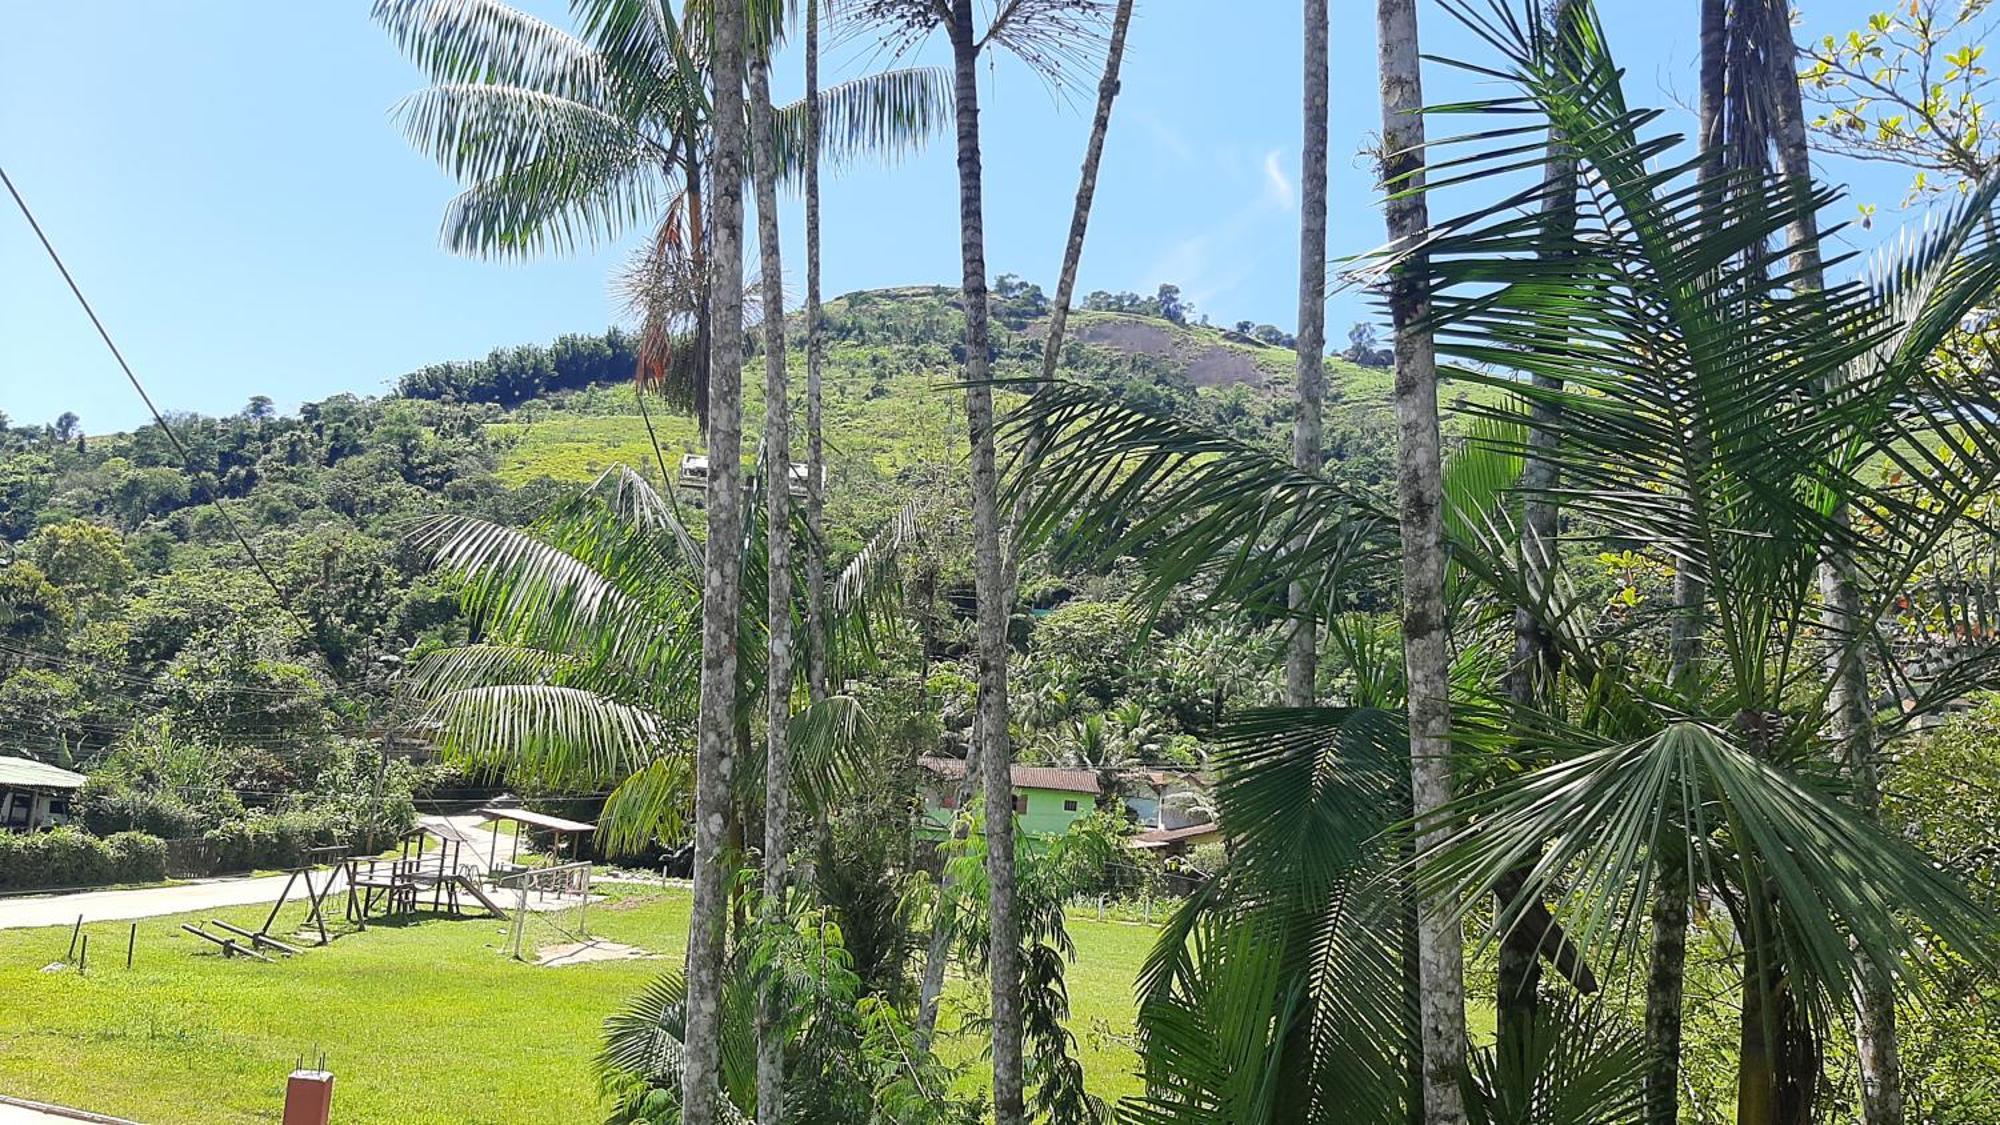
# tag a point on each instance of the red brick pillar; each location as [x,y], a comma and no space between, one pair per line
[309,1098]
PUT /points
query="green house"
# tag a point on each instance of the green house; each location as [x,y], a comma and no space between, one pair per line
[1046,800]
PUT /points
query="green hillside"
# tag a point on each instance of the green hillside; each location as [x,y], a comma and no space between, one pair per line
[893,403]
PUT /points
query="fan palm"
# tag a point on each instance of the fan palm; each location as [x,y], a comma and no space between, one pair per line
[1739,414]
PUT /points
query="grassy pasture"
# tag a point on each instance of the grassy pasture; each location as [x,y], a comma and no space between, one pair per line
[427,1022]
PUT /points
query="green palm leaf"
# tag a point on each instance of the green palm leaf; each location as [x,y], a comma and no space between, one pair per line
[540,733]
[489,42]
[884,116]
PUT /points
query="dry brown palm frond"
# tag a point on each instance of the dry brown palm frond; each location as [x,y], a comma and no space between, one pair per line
[665,288]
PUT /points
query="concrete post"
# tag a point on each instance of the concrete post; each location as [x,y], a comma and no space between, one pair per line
[309,1098]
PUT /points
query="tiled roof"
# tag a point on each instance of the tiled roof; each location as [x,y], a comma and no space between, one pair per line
[26,773]
[1025,777]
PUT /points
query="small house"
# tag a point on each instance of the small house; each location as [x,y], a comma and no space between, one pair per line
[694,475]
[35,796]
[1046,800]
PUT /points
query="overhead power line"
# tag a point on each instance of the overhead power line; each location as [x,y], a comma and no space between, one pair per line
[187,459]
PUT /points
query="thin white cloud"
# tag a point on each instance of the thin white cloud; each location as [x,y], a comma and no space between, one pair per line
[1211,262]
[1165,136]
[1278,186]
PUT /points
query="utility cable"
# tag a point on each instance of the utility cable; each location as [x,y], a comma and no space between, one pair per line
[187,459]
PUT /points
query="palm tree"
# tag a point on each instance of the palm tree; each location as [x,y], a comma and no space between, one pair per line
[1535,659]
[591,654]
[1047,34]
[815,317]
[565,139]
[776,460]
[1636,327]
[1766,491]
[1419,489]
[589,660]
[1309,384]
[1852,722]
[1079,225]
[576,138]
[722,588]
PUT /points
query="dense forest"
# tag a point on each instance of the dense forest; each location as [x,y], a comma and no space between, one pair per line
[221,621]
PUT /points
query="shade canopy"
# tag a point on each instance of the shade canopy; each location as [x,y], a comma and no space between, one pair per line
[537,820]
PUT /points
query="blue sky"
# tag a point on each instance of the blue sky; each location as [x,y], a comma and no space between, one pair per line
[225,180]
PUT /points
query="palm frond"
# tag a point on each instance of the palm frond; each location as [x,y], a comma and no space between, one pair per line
[482,665]
[643,1045]
[865,595]
[653,805]
[1579,1066]
[1594,828]
[489,41]
[1062,40]
[543,172]
[882,116]
[542,733]
[518,586]
[1115,479]
[1215,1034]
[829,738]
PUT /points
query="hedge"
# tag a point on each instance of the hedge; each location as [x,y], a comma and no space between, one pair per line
[69,857]
[274,840]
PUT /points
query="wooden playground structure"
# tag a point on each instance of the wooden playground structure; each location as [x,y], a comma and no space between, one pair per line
[339,875]
[397,886]
[392,888]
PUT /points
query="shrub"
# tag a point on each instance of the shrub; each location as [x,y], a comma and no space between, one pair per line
[263,840]
[137,857]
[70,857]
[108,806]
[73,858]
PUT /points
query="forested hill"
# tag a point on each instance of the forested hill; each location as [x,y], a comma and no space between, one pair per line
[130,602]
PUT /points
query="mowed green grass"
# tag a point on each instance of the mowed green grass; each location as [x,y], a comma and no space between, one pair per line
[428,1022]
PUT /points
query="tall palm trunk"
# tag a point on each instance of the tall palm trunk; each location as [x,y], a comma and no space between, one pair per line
[1878,1050]
[1419,493]
[1004,958]
[944,922]
[776,462]
[1666,977]
[1079,224]
[1086,192]
[1535,657]
[1309,390]
[816,656]
[721,582]
[1848,702]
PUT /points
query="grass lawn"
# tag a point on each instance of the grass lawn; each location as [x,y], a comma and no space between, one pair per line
[419,1023]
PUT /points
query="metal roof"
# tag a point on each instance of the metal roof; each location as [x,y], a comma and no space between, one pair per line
[538,820]
[1024,777]
[26,773]
[443,828]
[1161,837]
